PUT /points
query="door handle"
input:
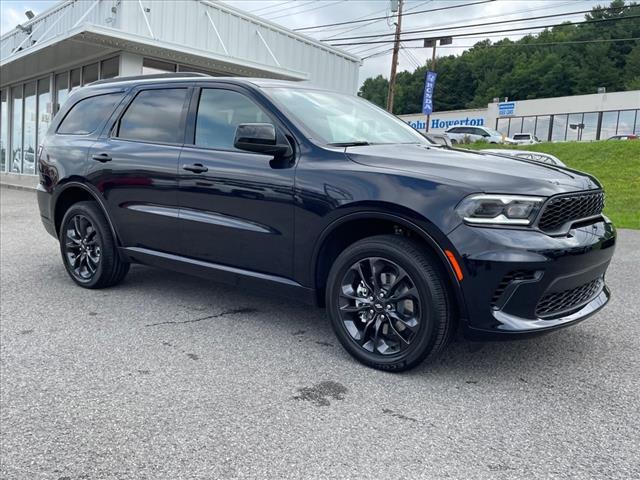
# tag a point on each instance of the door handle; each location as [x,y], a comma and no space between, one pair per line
[102,157]
[195,168]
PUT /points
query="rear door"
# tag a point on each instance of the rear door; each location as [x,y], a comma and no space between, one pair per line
[134,164]
[236,206]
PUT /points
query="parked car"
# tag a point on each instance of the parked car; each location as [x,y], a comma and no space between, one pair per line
[524,139]
[528,155]
[439,139]
[474,134]
[629,136]
[325,198]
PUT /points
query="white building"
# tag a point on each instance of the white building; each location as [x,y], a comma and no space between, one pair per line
[580,117]
[79,41]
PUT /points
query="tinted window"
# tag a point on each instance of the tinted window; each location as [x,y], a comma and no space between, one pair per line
[453,130]
[154,116]
[219,113]
[87,115]
[521,136]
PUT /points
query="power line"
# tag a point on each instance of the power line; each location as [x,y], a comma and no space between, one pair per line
[382,18]
[572,2]
[269,7]
[467,34]
[307,10]
[496,22]
[568,42]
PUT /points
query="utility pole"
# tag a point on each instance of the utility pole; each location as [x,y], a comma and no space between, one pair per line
[394,60]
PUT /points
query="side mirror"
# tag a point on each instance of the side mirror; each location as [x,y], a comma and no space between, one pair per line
[485,134]
[260,138]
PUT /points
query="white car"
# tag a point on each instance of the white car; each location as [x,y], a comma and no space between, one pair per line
[524,139]
[463,134]
[527,155]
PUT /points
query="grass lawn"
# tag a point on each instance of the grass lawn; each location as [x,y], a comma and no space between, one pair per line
[615,164]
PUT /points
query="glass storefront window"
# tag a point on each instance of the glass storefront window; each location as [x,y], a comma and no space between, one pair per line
[30,125]
[16,130]
[4,130]
[75,79]
[542,128]
[609,124]
[515,126]
[109,68]
[151,66]
[529,125]
[44,108]
[89,73]
[573,133]
[626,122]
[503,126]
[559,128]
[62,89]
[590,130]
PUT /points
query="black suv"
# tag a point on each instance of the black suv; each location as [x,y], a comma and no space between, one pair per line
[328,199]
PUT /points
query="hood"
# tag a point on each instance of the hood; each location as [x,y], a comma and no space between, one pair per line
[479,172]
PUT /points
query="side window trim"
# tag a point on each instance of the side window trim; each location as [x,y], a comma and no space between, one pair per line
[113,131]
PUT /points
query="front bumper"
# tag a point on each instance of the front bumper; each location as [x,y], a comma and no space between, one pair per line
[519,283]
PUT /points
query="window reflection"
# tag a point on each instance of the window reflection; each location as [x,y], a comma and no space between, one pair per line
[515,126]
[609,123]
[542,128]
[590,130]
[62,89]
[574,130]
[626,122]
[109,68]
[30,125]
[16,129]
[89,73]
[44,108]
[4,130]
[75,79]
[559,128]
[503,126]
[529,125]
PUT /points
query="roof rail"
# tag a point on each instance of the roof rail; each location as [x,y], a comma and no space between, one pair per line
[149,77]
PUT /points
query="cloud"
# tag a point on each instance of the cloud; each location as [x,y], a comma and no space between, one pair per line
[10,18]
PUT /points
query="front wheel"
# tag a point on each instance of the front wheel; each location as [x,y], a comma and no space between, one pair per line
[388,303]
[88,249]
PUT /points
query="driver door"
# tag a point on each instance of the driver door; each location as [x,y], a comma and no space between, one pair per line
[236,207]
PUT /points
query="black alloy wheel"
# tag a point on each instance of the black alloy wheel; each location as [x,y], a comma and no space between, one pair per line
[379,305]
[89,251]
[388,302]
[82,248]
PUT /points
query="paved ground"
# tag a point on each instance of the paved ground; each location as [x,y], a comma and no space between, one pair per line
[172,377]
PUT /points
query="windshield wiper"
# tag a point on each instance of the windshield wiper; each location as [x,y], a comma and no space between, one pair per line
[355,143]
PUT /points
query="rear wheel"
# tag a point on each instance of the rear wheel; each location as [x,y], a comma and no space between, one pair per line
[388,304]
[88,249]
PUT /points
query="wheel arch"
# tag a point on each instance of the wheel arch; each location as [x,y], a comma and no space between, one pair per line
[367,223]
[72,193]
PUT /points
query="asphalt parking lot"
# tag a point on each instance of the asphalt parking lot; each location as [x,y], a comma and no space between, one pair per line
[172,377]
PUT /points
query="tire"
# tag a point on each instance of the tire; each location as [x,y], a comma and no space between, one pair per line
[454,141]
[88,248]
[405,345]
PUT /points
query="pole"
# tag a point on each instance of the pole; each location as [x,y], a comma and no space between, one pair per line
[394,60]
[433,69]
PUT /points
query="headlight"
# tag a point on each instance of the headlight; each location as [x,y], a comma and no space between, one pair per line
[499,209]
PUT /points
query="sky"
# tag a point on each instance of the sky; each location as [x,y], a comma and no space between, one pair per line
[304,13]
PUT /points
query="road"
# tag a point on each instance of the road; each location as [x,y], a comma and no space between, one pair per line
[171,377]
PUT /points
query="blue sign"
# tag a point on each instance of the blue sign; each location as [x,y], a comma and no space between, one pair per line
[506,109]
[429,87]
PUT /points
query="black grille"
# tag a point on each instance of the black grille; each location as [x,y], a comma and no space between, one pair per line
[560,210]
[556,303]
[506,280]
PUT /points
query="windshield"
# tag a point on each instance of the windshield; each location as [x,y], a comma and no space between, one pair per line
[339,119]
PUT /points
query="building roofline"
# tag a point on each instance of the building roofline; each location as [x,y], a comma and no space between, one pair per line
[221,6]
